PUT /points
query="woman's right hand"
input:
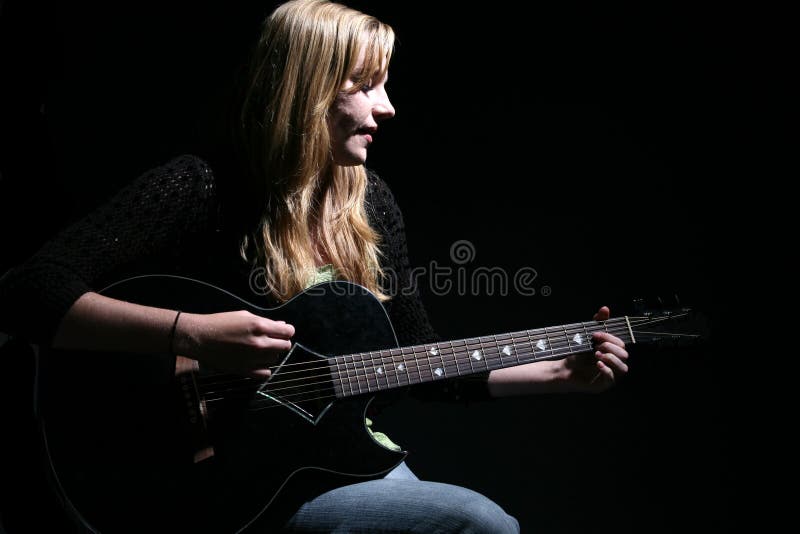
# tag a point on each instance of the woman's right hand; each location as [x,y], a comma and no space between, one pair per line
[237,341]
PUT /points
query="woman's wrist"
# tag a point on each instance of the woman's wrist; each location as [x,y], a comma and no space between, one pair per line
[183,341]
[541,377]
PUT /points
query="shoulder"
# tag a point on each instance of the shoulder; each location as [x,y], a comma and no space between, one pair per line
[381,203]
[182,171]
[182,180]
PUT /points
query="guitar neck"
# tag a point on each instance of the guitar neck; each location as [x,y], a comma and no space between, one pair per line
[375,371]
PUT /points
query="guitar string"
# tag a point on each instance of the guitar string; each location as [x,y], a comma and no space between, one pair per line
[448,358]
[554,354]
[358,374]
[416,350]
[265,403]
[463,345]
[271,403]
[420,349]
[468,344]
[291,397]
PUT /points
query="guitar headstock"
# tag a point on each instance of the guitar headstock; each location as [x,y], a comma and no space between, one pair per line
[668,326]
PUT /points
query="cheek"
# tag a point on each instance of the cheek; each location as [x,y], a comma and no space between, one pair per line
[335,127]
[349,112]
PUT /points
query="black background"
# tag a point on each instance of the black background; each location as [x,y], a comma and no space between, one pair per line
[590,143]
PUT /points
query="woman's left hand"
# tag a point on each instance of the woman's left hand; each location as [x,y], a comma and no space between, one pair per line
[598,371]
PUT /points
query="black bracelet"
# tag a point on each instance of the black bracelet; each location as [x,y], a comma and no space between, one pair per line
[172,334]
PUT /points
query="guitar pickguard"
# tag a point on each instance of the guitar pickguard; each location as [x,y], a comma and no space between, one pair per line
[302,383]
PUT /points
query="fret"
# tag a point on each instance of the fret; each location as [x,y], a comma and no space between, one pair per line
[540,344]
[382,371]
[465,350]
[543,344]
[508,348]
[570,339]
[378,371]
[342,392]
[552,346]
[444,365]
[387,366]
[352,361]
[477,359]
[578,340]
[479,354]
[414,366]
[400,367]
[390,369]
[530,342]
[436,372]
[455,358]
[515,347]
[588,336]
[369,372]
[566,336]
[499,352]
[489,357]
[361,372]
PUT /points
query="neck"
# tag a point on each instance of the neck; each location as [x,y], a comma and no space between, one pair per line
[375,371]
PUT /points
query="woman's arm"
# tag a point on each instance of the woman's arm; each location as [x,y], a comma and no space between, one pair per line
[150,215]
[586,373]
[236,341]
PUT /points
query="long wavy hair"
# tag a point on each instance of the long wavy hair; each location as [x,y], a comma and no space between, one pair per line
[308,204]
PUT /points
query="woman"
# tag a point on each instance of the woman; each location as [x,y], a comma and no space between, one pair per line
[306,211]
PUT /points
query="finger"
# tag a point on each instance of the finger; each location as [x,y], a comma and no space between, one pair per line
[279,329]
[612,361]
[261,373]
[273,344]
[604,372]
[613,348]
[602,314]
[600,337]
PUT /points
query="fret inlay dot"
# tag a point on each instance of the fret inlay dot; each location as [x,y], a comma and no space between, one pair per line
[578,339]
[401,367]
[541,344]
[438,371]
[379,370]
[434,351]
[506,350]
[476,355]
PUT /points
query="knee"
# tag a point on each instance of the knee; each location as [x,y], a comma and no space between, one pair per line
[473,513]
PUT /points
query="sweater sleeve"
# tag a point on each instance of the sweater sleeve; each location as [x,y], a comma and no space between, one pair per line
[405,308]
[149,215]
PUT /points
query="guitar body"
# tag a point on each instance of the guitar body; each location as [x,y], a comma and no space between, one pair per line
[135,447]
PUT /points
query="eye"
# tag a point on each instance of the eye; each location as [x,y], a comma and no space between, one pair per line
[367,87]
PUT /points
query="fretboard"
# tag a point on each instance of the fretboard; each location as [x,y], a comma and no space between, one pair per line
[371,372]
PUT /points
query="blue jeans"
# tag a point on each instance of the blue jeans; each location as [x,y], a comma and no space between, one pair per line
[400,502]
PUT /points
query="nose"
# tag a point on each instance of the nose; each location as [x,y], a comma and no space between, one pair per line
[383,108]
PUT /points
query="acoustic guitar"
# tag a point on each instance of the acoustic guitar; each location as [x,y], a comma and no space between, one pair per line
[150,443]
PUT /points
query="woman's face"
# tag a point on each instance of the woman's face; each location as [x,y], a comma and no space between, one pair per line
[354,118]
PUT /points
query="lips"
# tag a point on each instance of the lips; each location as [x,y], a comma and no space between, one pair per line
[367,133]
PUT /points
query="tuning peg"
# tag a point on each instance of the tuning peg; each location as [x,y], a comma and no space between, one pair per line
[662,308]
[638,306]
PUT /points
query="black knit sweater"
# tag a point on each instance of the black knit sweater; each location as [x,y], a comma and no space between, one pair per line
[176,219]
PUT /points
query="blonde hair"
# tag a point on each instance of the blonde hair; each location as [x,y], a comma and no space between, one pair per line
[306,52]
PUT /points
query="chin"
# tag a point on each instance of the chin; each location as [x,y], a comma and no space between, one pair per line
[351,160]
